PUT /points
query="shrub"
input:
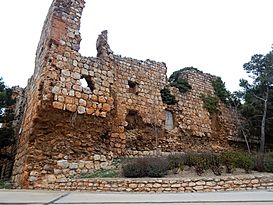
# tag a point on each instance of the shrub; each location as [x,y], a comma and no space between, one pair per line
[146,167]
[234,160]
[268,162]
[182,85]
[157,167]
[178,82]
[135,168]
[215,164]
[228,160]
[5,184]
[245,161]
[198,160]
[259,163]
[101,173]
[210,103]
[167,97]
[175,161]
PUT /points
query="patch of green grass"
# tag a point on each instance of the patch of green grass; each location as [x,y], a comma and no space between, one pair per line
[5,184]
[101,173]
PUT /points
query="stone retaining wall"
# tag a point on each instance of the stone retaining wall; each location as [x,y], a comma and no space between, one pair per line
[197,184]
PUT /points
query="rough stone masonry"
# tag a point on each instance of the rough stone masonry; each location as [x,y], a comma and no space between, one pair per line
[82,112]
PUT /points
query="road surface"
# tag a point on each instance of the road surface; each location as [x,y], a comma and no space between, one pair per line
[264,197]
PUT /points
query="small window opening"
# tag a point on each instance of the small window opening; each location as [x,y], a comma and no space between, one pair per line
[132,87]
[87,82]
[169,120]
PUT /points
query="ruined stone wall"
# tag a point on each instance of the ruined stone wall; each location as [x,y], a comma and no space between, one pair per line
[201,130]
[194,129]
[70,128]
[62,21]
[82,112]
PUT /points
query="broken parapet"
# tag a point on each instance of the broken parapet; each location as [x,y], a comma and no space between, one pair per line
[103,48]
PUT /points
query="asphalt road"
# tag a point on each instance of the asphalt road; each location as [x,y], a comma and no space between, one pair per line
[264,197]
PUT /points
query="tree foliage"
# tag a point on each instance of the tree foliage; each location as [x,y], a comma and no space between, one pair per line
[6,115]
[220,90]
[257,95]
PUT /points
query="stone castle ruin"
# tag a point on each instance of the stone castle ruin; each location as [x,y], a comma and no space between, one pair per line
[79,113]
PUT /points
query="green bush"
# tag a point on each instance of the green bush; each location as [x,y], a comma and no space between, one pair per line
[228,159]
[182,85]
[5,184]
[178,82]
[245,161]
[146,167]
[135,168]
[215,164]
[175,161]
[268,162]
[101,173]
[167,97]
[157,167]
[234,160]
[200,161]
[210,103]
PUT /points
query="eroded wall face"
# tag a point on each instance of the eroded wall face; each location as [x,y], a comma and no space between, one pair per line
[193,127]
[59,35]
[197,129]
[71,128]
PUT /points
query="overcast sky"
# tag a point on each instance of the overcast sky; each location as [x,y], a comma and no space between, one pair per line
[215,36]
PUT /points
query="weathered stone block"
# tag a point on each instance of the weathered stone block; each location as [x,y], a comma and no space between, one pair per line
[71,107]
[97,157]
[81,110]
[101,99]
[106,107]
[73,165]
[56,90]
[32,179]
[82,102]
[66,73]
[51,179]
[63,164]
[58,105]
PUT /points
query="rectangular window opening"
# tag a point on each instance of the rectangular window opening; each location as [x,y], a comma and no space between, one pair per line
[169,121]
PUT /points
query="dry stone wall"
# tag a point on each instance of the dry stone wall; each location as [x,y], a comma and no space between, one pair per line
[198,184]
[82,112]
